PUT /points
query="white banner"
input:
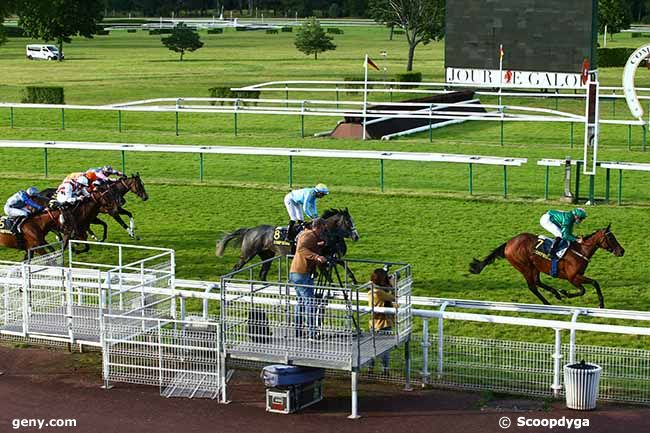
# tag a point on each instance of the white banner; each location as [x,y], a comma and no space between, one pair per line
[511,78]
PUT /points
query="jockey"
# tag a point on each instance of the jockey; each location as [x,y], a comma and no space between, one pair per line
[560,224]
[75,187]
[303,201]
[21,204]
[103,173]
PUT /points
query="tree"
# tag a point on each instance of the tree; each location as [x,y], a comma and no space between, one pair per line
[4,11]
[59,20]
[381,12]
[615,14]
[311,38]
[182,39]
[422,21]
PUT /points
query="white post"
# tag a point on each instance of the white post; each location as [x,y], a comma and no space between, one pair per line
[557,367]
[441,339]
[425,352]
[605,37]
[572,337]
[500,73]
[355,381]
[365,95]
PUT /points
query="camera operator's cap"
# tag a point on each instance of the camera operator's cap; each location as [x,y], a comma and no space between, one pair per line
[322,188]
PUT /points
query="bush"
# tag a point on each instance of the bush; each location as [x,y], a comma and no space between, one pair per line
[398,32]
[131,30]
[287,29]
[408,77]
[271,31]
[160,32]
[355,85]
[215,31]
[613,57]
[637,35]
[43,95]
[225,92]
[14,32]
[334,30]
[101,32]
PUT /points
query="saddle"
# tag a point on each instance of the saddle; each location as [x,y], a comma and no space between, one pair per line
[543,248]
[281,235]
[11,226]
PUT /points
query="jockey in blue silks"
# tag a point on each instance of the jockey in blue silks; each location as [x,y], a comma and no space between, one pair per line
[21,204]
[300,202]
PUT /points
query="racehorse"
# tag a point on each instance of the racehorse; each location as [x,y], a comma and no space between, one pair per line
[34,230]
[520,252]
[121,187]
[258,241]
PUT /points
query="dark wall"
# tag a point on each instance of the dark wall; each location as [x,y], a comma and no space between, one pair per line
[537,35]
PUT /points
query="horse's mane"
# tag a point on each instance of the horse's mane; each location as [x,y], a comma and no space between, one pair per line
[592,234]
[331,212]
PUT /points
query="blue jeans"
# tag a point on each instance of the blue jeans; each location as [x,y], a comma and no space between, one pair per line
[306,304]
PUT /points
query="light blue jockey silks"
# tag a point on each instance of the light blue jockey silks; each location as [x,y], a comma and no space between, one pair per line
[307,198]
[21,199]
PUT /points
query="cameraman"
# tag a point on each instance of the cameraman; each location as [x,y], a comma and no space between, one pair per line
[381,294]
[307,255]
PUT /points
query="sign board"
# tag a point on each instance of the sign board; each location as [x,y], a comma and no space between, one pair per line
[514,79]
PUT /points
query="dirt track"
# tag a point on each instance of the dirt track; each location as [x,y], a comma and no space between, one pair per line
[41,383]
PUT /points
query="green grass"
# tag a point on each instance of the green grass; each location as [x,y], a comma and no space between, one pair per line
[426,216]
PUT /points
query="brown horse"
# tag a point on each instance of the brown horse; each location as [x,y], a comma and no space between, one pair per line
[34,230]
[520,252]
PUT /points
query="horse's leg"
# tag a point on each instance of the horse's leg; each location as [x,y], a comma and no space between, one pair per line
[578,281]
[532,286]
[265,255]
[547,287]
[130,229]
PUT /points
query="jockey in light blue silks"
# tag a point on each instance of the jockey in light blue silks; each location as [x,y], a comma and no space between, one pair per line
[21,205]
[300,202]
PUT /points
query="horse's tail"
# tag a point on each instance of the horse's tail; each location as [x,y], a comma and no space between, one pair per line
[237,235]
[477,265]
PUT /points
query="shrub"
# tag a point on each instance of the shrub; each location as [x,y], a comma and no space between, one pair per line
[215,31]
[398,32]
[131,30]
[271,31]
[334,31]
[43,95]
[355,85]
[225,92]
[637,35]
[14,32]
[160,32]
[287,29]
[102,32]
[613,57]
[408,77]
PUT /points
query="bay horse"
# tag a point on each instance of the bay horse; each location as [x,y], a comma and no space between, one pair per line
[121,186]
[258,241]
[34,230]
[520,252]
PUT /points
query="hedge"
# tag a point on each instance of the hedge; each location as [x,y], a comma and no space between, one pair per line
[101,32]
[14,32]
[225,92]
[287,29]
[334,30]
[215,31]
[408,77]
[160,32]
[43,95]
[271,31]
[131,30]
[613,57]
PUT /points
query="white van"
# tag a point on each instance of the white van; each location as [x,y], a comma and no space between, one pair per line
[45,52]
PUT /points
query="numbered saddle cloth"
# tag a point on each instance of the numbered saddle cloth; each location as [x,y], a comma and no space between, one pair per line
[9,225]
[543,247]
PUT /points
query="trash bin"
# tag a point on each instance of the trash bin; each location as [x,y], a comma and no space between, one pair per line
[581,384]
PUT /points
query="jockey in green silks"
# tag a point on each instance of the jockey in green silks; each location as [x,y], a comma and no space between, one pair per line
[560,224]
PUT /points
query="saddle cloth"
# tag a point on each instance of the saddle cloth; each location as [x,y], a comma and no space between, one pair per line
[8,225]
[280,235]
[543,247]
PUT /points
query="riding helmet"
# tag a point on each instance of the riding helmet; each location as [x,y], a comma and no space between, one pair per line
[322,188]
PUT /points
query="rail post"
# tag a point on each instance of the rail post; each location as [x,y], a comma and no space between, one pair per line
[578,164]
[354,379]
[557,367]
[441,339]
[119,120]
[430,119]
[337,96]
[607,182]
[201,166]
[620,186]
[236,107]
[11,117]
[645,137]
[471,187]
[592,180]
[425,353]
[546,180]
[302,120]
[45,161]
[501,128]
[629,137]
[571,135]
[286,96]
[290,171]
[178,103]
[505,181]
[381,175]
[407,364]
[63,118]
[123,161]
[572,337]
